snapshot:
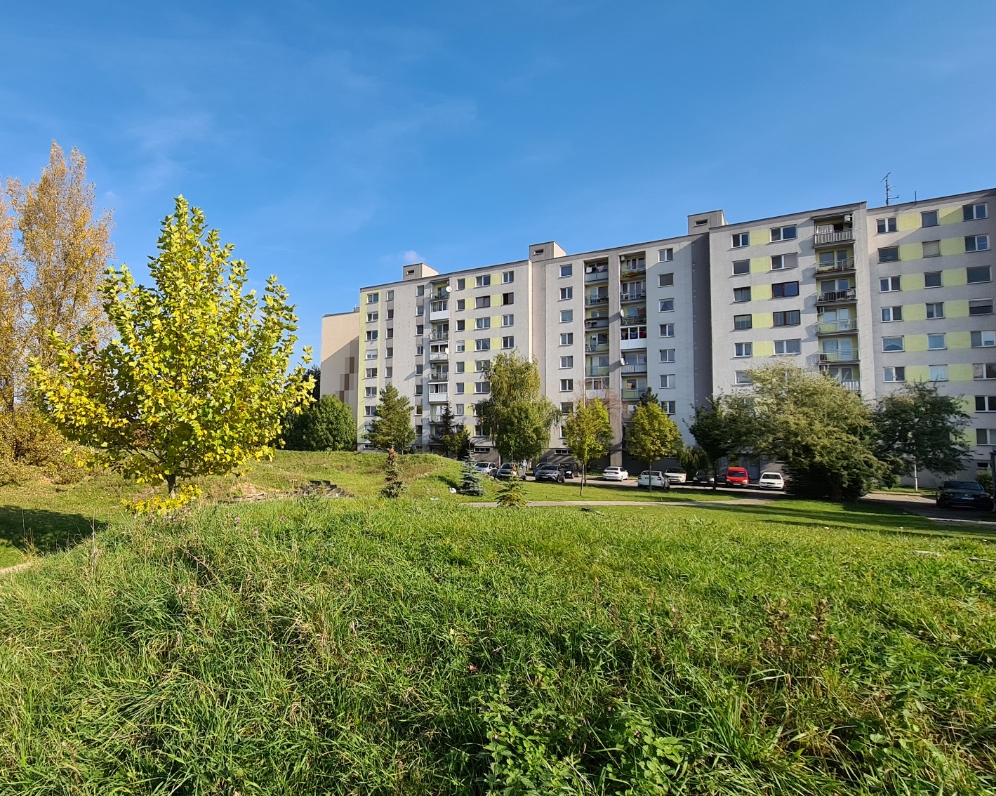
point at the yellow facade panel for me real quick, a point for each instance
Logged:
(758, 265)
(960, 373)
(762, 235)
(763, 320)
(760, 292)
(954, 277)
(764, 348)
(952, 215)
(956, 309)
(908, 221)
(911, 281)
(917, 372)
(959, 340)
(915, 342)
(950, 246)
(911, 251)
(915, 312)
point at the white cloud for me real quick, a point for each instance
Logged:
(410, 257)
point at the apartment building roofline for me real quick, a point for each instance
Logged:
(819, 212)
(436, 277)
(931, 200)
(598, 252)
(347, 312)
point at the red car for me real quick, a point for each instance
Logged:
(734, 476)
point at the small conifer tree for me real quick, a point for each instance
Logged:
(394, 485)
(512, 495)
(472, 482)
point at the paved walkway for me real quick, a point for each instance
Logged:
(681, 503)
(924, 506)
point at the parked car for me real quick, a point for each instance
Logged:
(507, 470)
(734, 476)
(487, 468)
(704, 478)
(771, 481)
(653, 479)
(615, 474)
(550, 471)
(676, 475)
(969, 494)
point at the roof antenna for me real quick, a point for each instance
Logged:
(889, 196)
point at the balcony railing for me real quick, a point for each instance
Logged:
(633, 295)
(832, 236)
(853, 386)
(841, 266)
(596, 323)
(596, 384)
(634, 320)
(633, 395)
(832, 327)
(439, 356)
(837, 295)
(592, 300)
(828, 357)
(598, 274)
(596, 371)
(628, 271)
(438, 337)
(600, 348)
(638, 368)
(441, 375)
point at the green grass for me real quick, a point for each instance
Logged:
(348, 646)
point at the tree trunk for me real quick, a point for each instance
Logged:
(583, 468)
(170, 483)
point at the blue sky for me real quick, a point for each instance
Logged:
(333, 142)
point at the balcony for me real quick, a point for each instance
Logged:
(595, 299)
(599, 348)
(439, 376)
(439, 310)
(633, 295)
(634, 318)
(837, 296)
(596, 273)
(831, 237)
(631, 271)
(439, 397)
(636, 368)
(633, 395)
(439, 337)
(596, 323)
(831, 357)
(853, 386)
(837, 327)
(596, 371)
(439, 356)
(839, 267)
(596, 384)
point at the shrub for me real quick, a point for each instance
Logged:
(30, 446)
(471, 482)
(512, 495)
(985, 477)
(395, 485)
(326, 425)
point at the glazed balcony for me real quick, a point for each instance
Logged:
(632, 295)
(595, 299)
(596, 273)
(632, 271)
(439, 356)
(838, 296)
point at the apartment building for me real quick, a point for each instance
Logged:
(873, 297)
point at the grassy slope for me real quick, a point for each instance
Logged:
(358, 647)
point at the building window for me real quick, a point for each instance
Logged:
(461, 284)
(420, 309)
(482, 323)
(976, 243)
(418, 350)
(935, 310)
(566, 362)
(372, 354)
(890, 254)
(460, 366)
(566, 293)
(741, 267)
(985, 403)
(507, 320)
(889, 285)
(418, 389)
(983, 339)
(461, 325)
(932, 279)
(371, 373)
(372, 316)
(567, 338)
(566, 270)
(508, 342)
(978, 273)
(984, 370)
(482, 344)
(371, 335)
(458, 409)
(566, 407)
(371, 392)
(985, 436)
(894, 374)
(742, 322)
(419, 329)
(461, 305)
(665, 255)
(389, 353)
(390, 295)
(482, 387)
(667, 330)
(973, 212)
(633, 333)
(938, 373)
(665, 280)
(785, 347)
(669, 407)
(460, 346)
(667, 355)
(482, 302)
(890, 314)
(507, 298)
(390, 315)
(667, 381)
(482, 281)
(935, 342)
(886, 225)
(741, 239)
(892, 344)
(980, 307)
(390, 333)
(928, 218)
(931, 248)
(784, 289)
(420, 290)
(567, 385)
(481, 365)
(369, 411)
(743, 377)
(783, 233)
(373, 298)
(741, 294)
(779, 262)
(508, 277)
(566, 316)
(388, 372)
(667, 305)
(743, 350)
(787, 318)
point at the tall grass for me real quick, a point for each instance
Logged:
(413, 647)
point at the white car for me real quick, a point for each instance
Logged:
(771, 481)
(614, 474)
(676, 475)
(486, 468)
(654, 479)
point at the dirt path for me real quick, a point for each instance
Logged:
(16, 568)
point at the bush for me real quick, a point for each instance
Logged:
(30, 446)
(471, 480)
(512, 494)
(326, 425)
(985, 477)
(394, 482)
